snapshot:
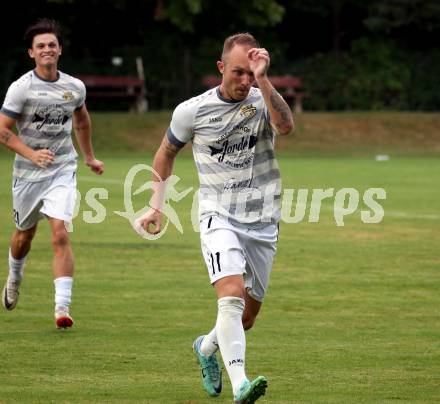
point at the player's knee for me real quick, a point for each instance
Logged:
(60, 238)
(233, 290)
(24, 238)
(230, 286)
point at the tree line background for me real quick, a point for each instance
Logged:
(351, 54)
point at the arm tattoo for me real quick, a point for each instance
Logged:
(280, 106)
(169, 148)
(5, 135)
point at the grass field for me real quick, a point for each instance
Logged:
(352, 313)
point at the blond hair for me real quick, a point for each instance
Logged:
(242, 38)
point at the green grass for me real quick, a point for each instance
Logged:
(351, 133)
(352, 313)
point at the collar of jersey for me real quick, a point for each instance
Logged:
(224, 99)
(47, 81)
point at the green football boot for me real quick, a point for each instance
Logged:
(249, 392)
(211, 372)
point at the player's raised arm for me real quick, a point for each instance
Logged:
(280, 113)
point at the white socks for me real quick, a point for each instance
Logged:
(63, 291)
(209, 344)
(16, 268)
(63, 285)
(231, 338)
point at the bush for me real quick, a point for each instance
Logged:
(424, 90)
(373, 75)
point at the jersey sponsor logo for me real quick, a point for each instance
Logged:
(236, 155)
(236, 129)
(42, 94)
(52, 118)
(248, 111)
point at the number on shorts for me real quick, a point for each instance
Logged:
(219, 269)
(16, 217)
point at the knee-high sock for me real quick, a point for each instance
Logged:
(231, 338)
(209, 344)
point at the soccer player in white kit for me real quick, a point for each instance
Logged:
(44, 104)
(232, 130)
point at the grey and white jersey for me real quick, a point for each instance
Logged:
(43, 113)
(233, 147)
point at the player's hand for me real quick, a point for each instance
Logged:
(259, 61)
(43, 158)
(151, 221)
(97, 166)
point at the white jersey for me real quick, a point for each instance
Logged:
(43, 113)
(233, 147)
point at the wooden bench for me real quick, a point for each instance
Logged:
(290, 87)
(129, 88)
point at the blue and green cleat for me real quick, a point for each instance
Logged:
(249, 392)
(211, 372)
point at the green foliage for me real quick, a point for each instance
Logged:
(255, 13)
(371, 75)
(182, 13)
(424, 88)
(352, 54)
(263, 14)
(380, 78)
(388, 15)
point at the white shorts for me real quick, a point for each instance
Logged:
(232, 250)
(54, 197)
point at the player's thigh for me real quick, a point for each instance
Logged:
(260, 249)
(59, 200)
(221, 249)
(27, 200)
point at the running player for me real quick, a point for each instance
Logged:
(232, 129)
(44, 104)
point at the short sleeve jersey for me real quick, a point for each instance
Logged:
(43, 113)
(233, 148)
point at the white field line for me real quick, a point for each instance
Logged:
(388, 213)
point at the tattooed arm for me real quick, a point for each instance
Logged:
(163, 166)
(9, 139)
(164, 159)
(6, 133)
(280, 113)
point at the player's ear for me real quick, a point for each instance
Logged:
(31, 53)
(221, 66)
(61, 48)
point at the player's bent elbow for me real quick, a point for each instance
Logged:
(286, 128)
